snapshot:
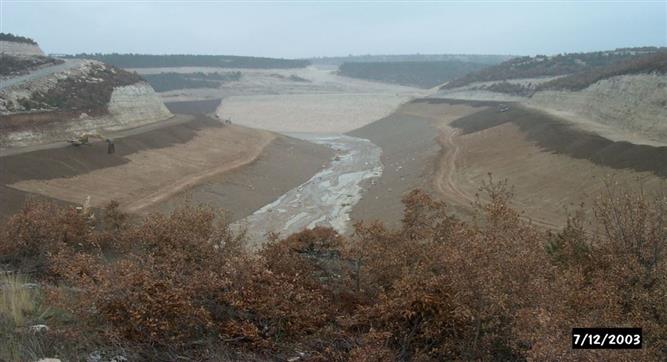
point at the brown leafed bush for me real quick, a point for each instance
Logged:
(437, 288)
(40, 229)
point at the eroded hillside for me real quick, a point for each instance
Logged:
(621, 96)
(58, 102)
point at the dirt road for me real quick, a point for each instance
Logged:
(324, 200)
(446, 183)
(444, 177)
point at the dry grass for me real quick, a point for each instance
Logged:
(20, 308)
(17, 302)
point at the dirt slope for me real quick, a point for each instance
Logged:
(285, 163)
(147, 168)
(450, 147)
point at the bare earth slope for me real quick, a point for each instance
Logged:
(550, 164)
(628, 107)
(410, 153)
(147, 168)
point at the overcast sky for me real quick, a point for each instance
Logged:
(304, 29)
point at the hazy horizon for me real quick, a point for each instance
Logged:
(296, 29)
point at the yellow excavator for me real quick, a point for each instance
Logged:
(84, 139)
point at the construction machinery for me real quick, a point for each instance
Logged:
(85, 139)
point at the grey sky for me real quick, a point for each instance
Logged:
(304, 29)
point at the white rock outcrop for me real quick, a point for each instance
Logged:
(18, 48)
(135, 105)
(130, 106)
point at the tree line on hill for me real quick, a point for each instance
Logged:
(419, 74)
(489, 59)
(16, 38)
(646, 64)
(163, 82)
(545, 66)
(191, 60)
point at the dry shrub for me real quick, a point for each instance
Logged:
(454, 292)
(435, 289)
(39, 229)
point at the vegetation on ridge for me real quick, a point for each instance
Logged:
(16, 38)
(13, 65)
(88, 93)
(191, 60)
(163, 82)
(549, 66)
(424, 74)
(652, 63)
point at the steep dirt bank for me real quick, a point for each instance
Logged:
(285, 163)
(552, 165)
(146, 168)
(556, 135)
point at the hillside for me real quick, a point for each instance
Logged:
(622, 100)
(423, 74)
(11, 65)
(652, 63)
(490, 59)
(190, 60)
(167, 81)
(59, 102)
(549, 66)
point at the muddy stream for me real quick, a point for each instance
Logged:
(327, 198)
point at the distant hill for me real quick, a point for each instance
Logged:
(418, 74)
(549, 66)
(163, 82)
(186, 60)
(474, 58)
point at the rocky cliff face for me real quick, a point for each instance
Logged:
(19, 49)
(135, 105)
